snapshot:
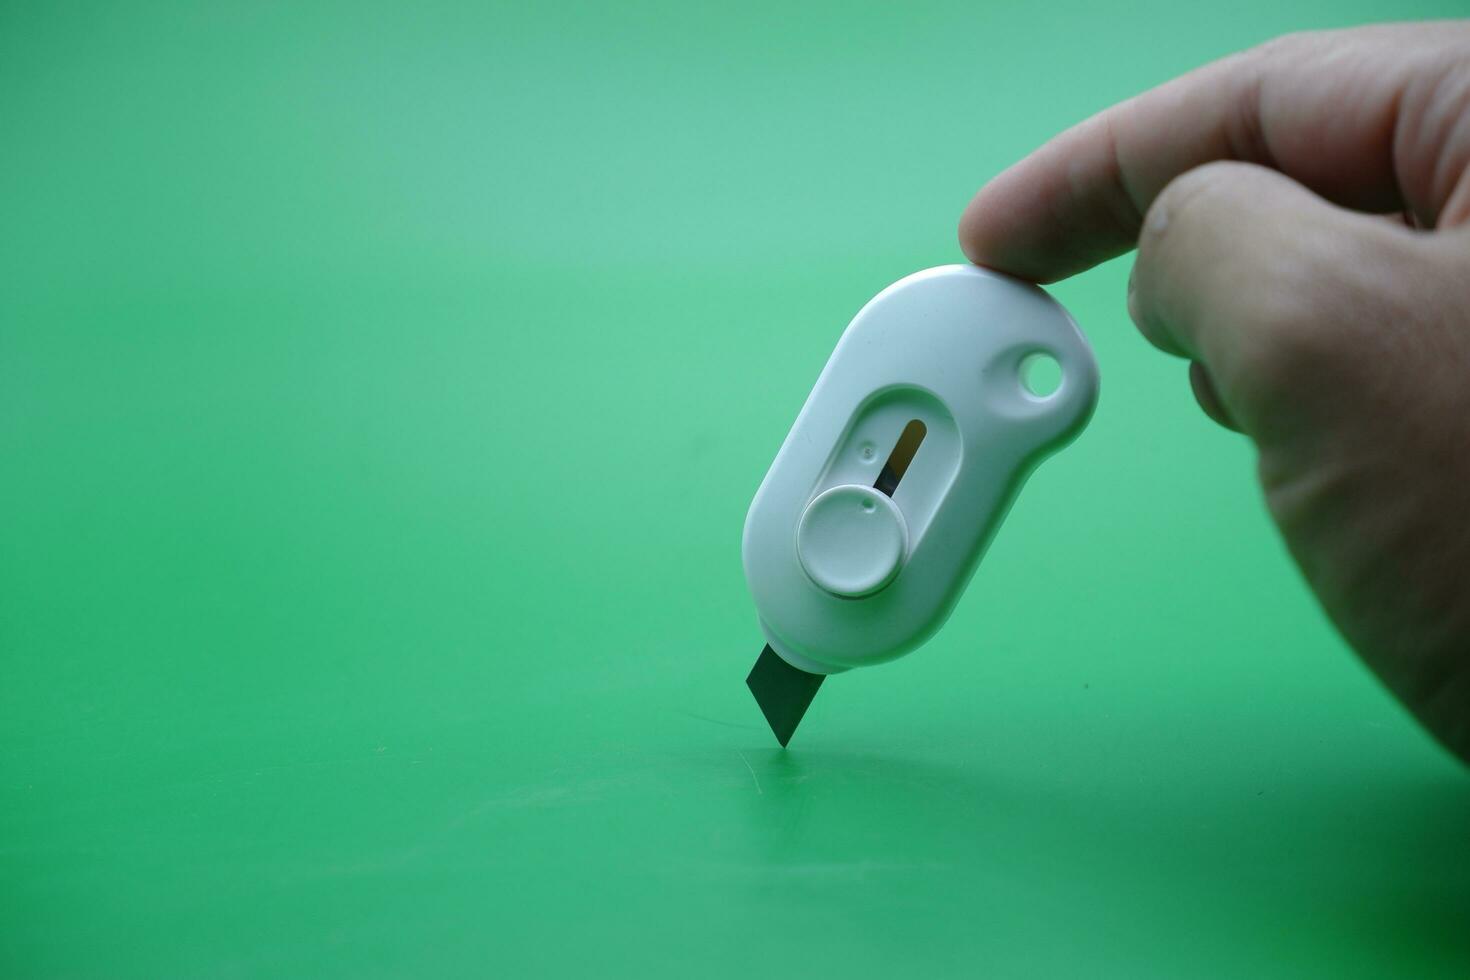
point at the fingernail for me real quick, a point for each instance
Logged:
(1158, 218)
(1133, 297)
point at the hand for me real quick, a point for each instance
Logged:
(1302, 218)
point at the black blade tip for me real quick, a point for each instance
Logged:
(783, 692)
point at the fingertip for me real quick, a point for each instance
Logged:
(971, 232)
(987, 230)
(993, 235)
(1026, 222)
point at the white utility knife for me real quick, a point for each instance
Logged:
(909, 451)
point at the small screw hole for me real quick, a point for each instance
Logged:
(1041, 375)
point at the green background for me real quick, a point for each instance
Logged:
(382, 388)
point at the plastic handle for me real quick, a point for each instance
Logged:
(946, 348)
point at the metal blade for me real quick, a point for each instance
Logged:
(784, 692)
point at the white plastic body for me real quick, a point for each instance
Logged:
(945, 346)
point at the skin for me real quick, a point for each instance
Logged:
(1302, 217)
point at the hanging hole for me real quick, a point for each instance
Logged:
(902, 455)
(1041, 375)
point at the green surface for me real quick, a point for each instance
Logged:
(381, 393)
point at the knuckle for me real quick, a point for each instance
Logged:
(1286, 45)
(1185, 202)
(1186, 191)
(1251, 59)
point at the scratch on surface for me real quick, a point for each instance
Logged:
(752, 772)
(819, 871)
(716, 721)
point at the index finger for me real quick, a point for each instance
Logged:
(1338, 111)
